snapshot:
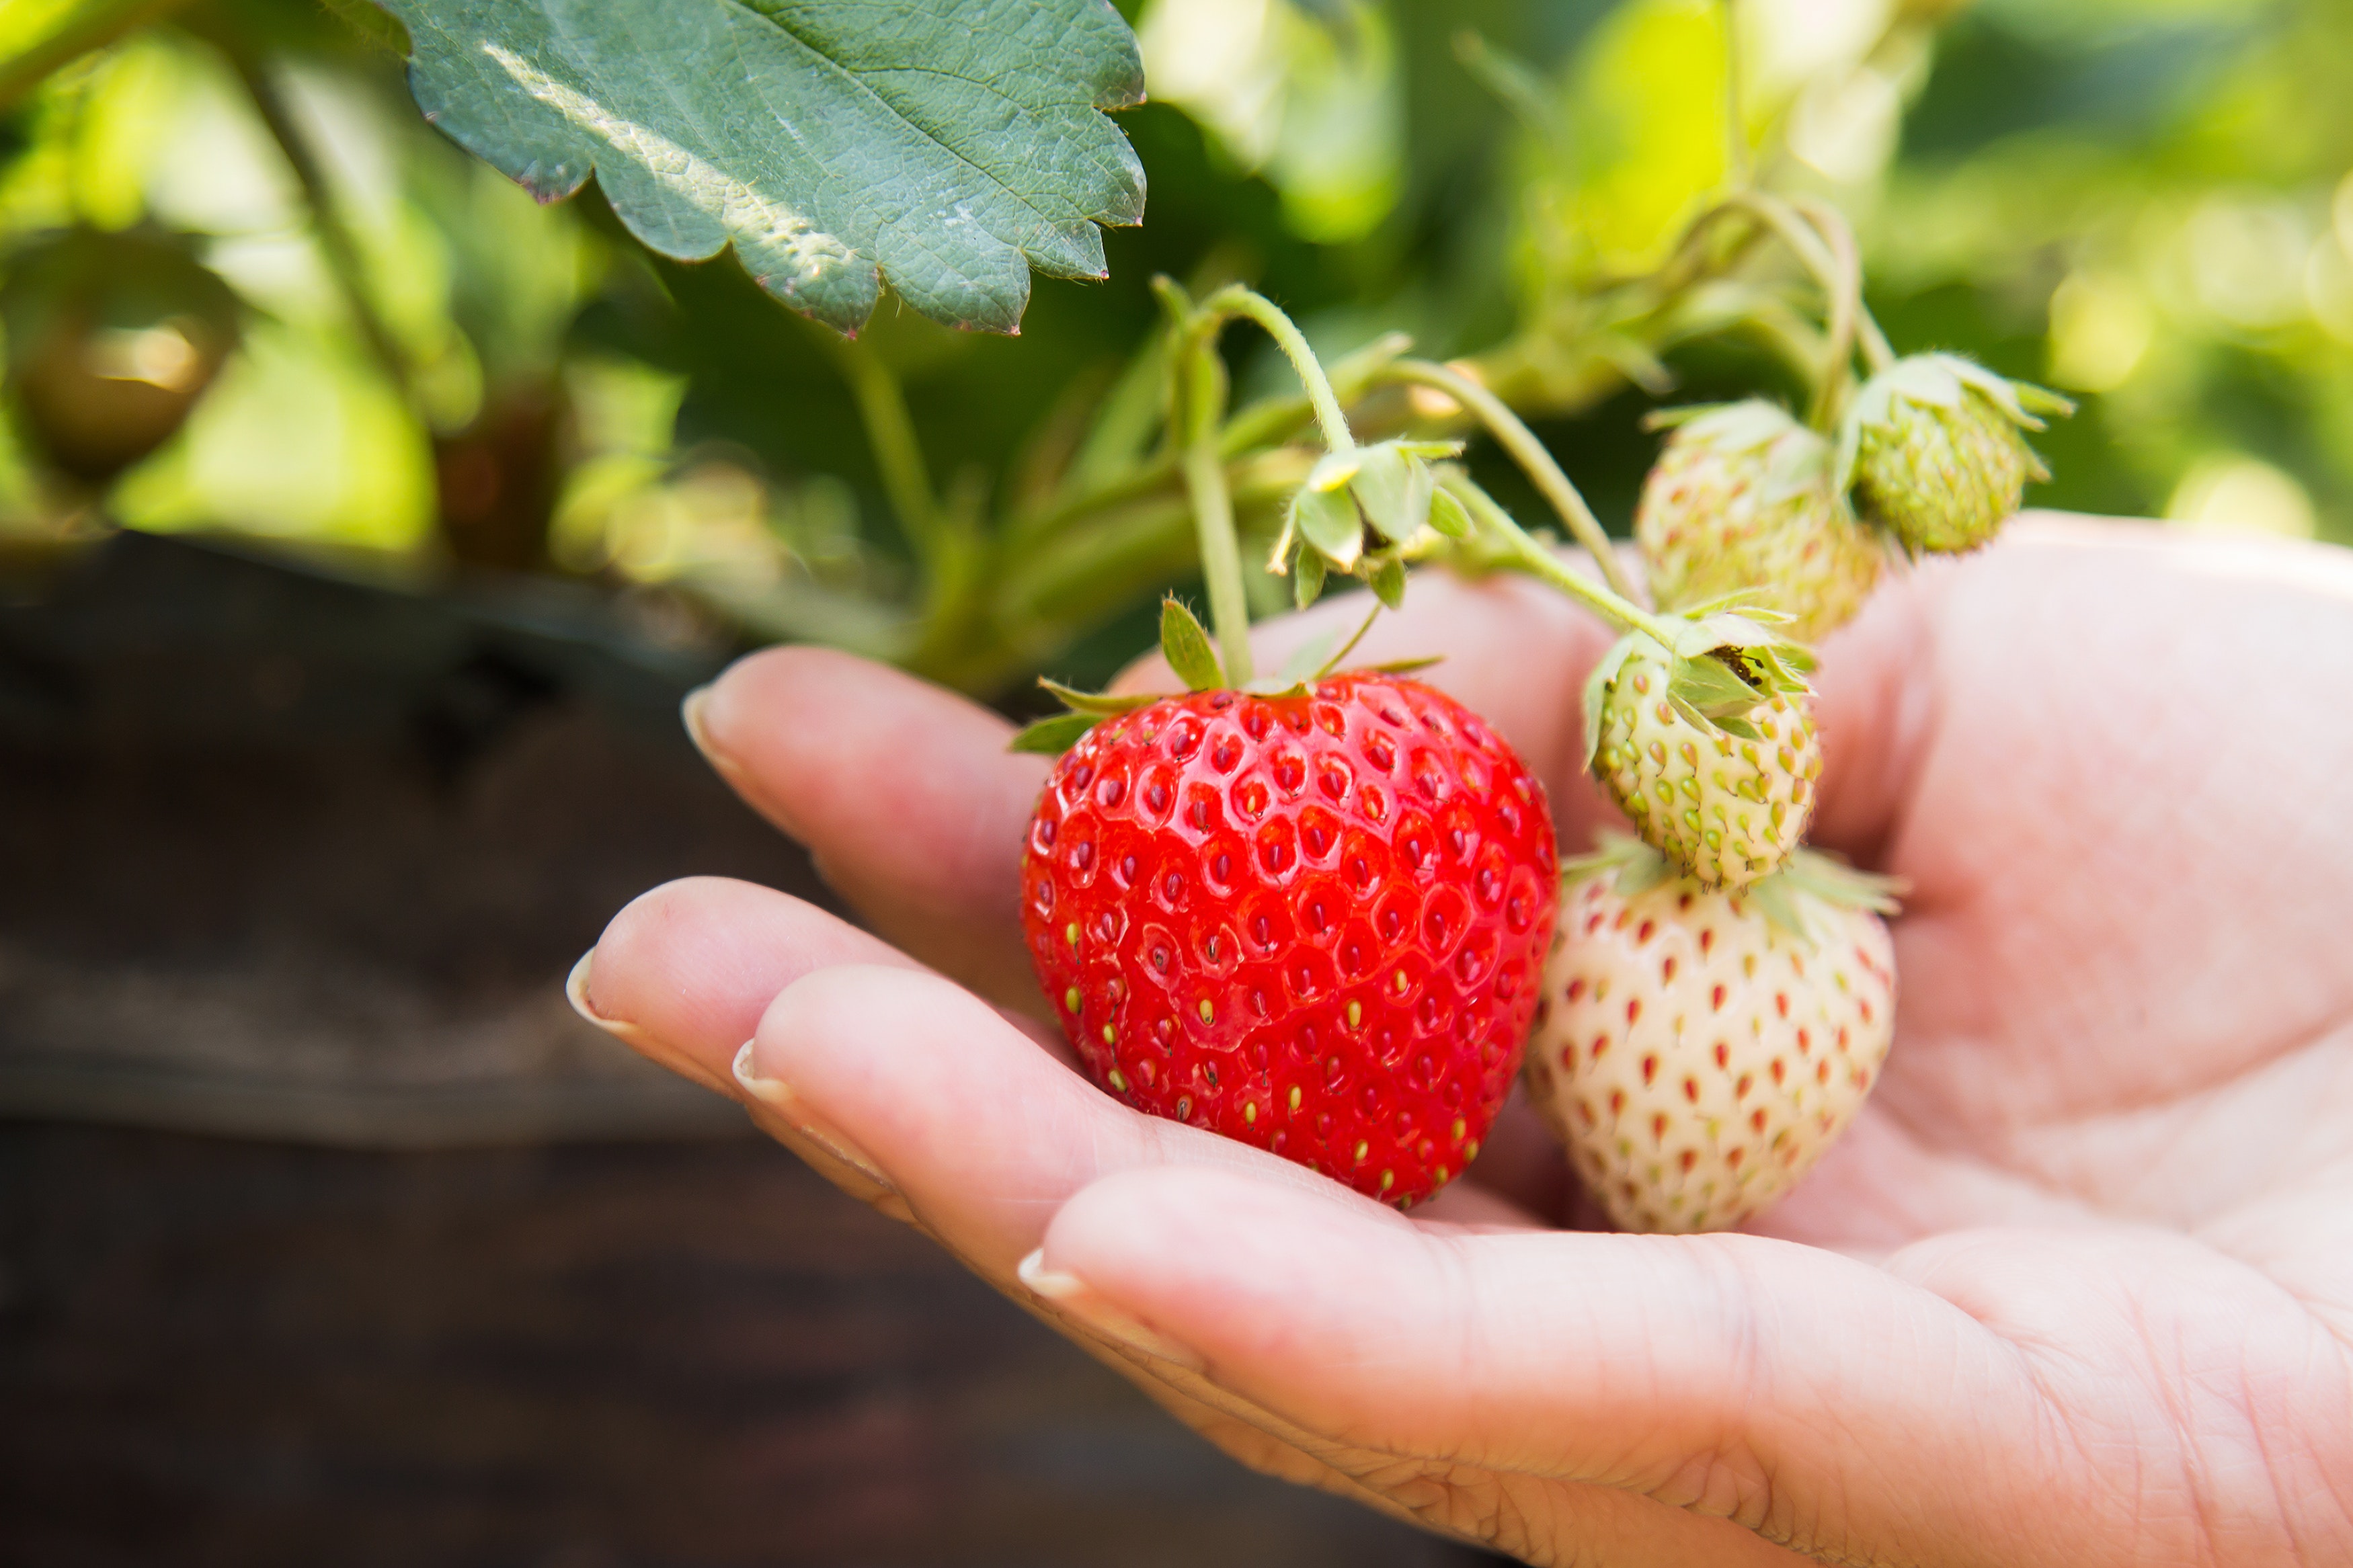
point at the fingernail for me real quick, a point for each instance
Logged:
(774, 1098)
(696, 713)
(1074, 1297)
(575, 991)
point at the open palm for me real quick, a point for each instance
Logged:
(2076, 1289)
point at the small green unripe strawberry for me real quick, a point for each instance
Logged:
(1935, 453)
(1696, 1052)
(1741, 500)
(1709, 749)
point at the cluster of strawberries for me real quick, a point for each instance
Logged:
(1321, 912)
(1719, 1000)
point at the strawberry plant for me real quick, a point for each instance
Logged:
(1317, 910)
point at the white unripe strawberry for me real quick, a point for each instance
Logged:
(1696, 1051)
(1741, 502)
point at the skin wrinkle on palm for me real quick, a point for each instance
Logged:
(2151, 1282)
(950, 154)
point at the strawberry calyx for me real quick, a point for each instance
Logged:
(1185, 643)
(1794, 898)
(1719, 668)
(1362, 513)
(1796, 460)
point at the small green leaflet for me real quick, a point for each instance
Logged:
(1596, 685)
(1186, 645)
(1327, 519)
(1710, 685)
(1102, 704)
(1307, 584)
(1054, 735)
(1447, 515)
(948, 147)
(1389, 486)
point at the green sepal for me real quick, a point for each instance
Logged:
(1792, 896)
(1639, 867)
(1101, 703)
(1388, 582)
(1055, 734)
(1327, 520)
(1393, 486)
(1710, 685)
(1185, 642)
(1774, 664)
(1447, 514)
(1405, 666)
(1332, 471)
(1940, 380)
(1808, 878)
(1596, 685)
(1384, 490)
(1307, 579)
(1822, 875)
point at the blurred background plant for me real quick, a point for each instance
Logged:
(248, 292)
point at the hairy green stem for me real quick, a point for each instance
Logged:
(1524, 553)
(1236, 300)
(1537, 463)
(1840, 286)
(1199, 399)
(1269, 422)
(1838, 235)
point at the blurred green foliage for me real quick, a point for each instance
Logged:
(2147, 202)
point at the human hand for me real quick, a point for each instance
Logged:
(2076, 1288)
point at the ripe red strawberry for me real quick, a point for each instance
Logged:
(1314, 921)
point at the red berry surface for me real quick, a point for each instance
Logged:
(1315, 923)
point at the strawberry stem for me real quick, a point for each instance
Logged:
(1236, 300)
(1196, 413)
(1823, 244)
(1521, 442)
(1838, 235)
(1527, 554)
(1199, 385)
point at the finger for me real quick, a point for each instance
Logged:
(684, 972)
(904, 792)
(981, 1137)
(984, 1134)
(1807, 1398)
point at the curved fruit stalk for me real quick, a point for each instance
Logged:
(1312, 921)
(1697, 1051)
(1741, 504)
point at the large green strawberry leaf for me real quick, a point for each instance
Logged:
(947, 145)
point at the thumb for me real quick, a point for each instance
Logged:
(1610, 1397)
